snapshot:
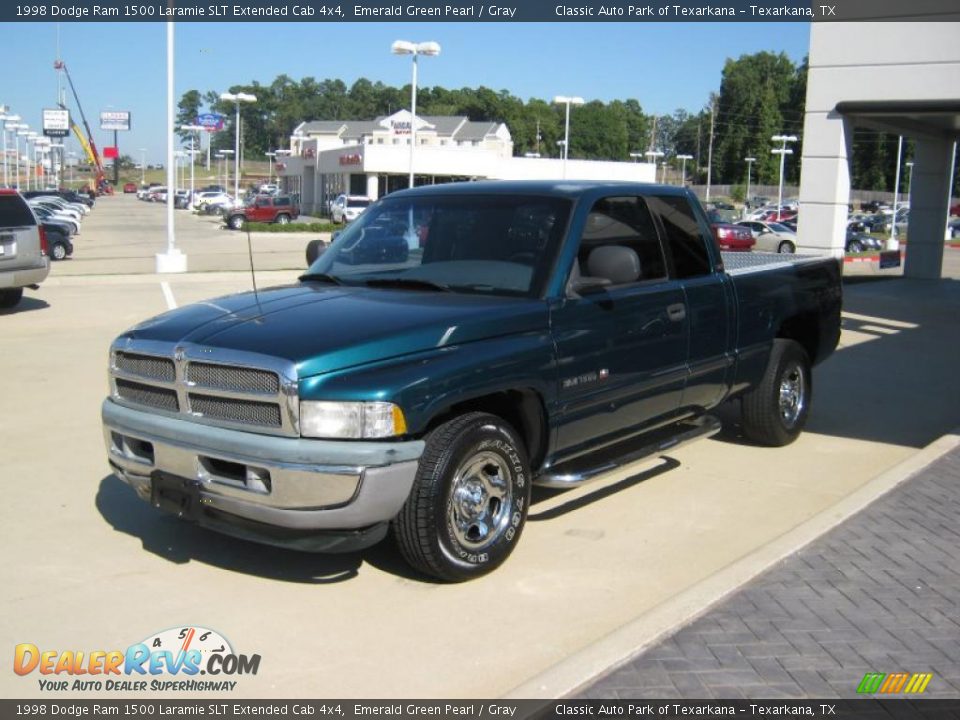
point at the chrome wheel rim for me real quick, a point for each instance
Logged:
(480, 500)
(793, 395)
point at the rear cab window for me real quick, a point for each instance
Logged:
(685, 238)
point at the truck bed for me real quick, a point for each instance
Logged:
(741, 263)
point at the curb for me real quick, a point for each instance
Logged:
(569, 675)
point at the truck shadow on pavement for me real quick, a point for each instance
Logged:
(182, 542)
(27, 304)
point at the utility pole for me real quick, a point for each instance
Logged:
(653, 134)
(710, 147)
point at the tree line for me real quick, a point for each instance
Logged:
(760, 95)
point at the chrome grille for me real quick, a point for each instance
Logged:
(149, 395)
(247, 412)
(234, 379)
(147, 366)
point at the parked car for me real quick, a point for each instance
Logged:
(210, 197)
(48, 211)
(129, 188)
(59, 246)
(264, 209)
(268, 189)
(858, 242)
(23, 248)
(771, 236)
(757, 201)
(545, 333)
(729, 236)
(347, 208)
(67, 225)
(181, 200)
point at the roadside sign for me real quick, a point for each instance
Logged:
(56, 123)
(889, 259)
(212, 122)
(110, 152)
(115, 120)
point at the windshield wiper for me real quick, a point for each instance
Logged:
(412, 283)
(322, 277)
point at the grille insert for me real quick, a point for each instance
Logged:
(148, 395)
(247, 412)
(234, 379)
(146, 366)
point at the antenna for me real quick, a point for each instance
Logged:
(253, 275)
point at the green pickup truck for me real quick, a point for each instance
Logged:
(455, 345)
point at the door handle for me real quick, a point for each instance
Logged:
(676, 312)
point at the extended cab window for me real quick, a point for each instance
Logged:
(687, 244)
(624, 222)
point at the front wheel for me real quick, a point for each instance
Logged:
(283, 219)
(469, 501)
(776, 410)
(786, 247)
(58, 251)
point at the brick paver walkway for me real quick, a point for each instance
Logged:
(879, 593)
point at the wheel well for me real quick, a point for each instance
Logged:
(804, 329)
(523, 409)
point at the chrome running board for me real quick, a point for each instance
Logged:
(582, 470)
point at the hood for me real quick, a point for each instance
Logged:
(322, 328)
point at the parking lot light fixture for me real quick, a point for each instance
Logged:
(652, 157)
(782, 151)
(636, 156)
(237, 98)
(567, 101)
(405, 47)
(683, 168)
(270, 156)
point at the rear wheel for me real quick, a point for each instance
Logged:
(776, 410)
(314, 249)
(855, 247)
(236, 222)
(786, 247)
(283, 219)
(58, 251)
(10, 298)
(468, 504)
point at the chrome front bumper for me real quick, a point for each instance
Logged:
(292, 483)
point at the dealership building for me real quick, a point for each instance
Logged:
(372, 158)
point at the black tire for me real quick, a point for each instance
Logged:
(283, 219)
(440, 529)
(786, 247)
(776, 410)
(58, 251)
(855, 247)
(235, 222)
(315, 248)
(10, 298)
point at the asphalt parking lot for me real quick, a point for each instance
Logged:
(89, 566)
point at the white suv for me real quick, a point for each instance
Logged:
(23, 248)
(347, 208)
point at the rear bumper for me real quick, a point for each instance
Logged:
(311, 494)
(25, 276)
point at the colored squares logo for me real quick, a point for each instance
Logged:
(892, 683)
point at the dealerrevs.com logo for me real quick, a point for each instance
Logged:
(171, 660)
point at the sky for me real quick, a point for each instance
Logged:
(122, 66)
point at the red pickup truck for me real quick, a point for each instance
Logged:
(265, 209)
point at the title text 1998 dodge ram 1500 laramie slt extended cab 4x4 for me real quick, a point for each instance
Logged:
(497, 335)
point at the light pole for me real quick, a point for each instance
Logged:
(567, 101)
(683, 168)
(405, 47)
(782, 151)
(270, 156)
(143, 166)
(746, 200)
(11, 123)
(893, 243)
(31, 159)
(23, 132)
(652, 157)
(225, 154)
(237, 98)
(909, 166)
(194, 141)
(663, 169)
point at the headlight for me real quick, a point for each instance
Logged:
(351, 420)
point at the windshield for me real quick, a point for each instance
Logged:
(496, 244)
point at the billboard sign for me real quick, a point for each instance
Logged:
(115, 120)
(212, 122)
(56, 123)
(110, 152)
